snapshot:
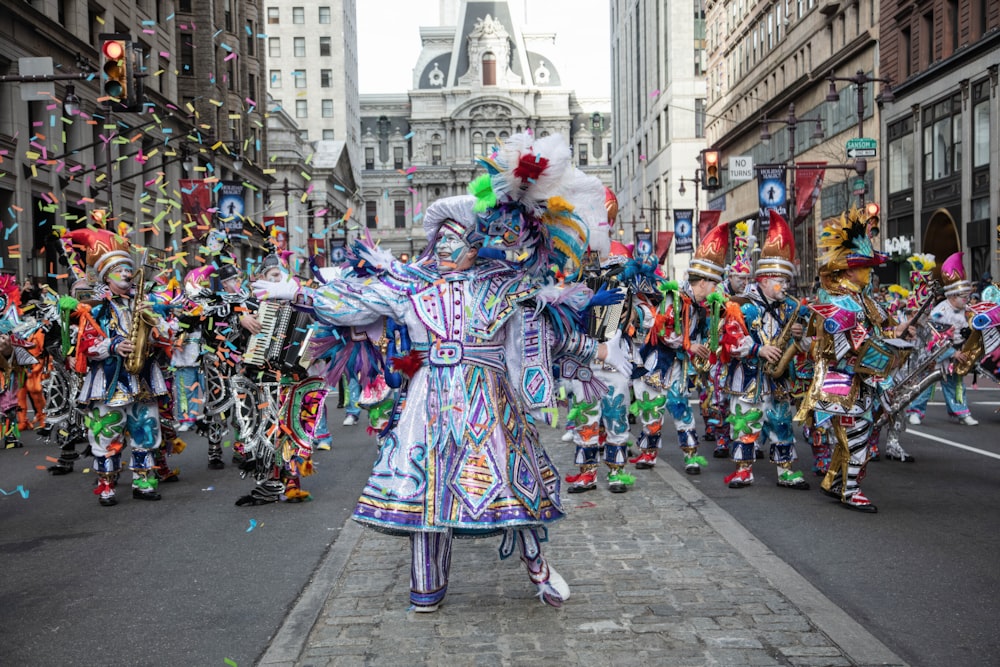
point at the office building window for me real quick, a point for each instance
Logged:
(369, 158)
(325, 78)
(324, 15)
(273, 15)
(186, 40)
(275, 75)
(298, 15)
(327, 135)
(942, 125)
(435, 153)
(301, 109)
(273, 47)
(397, 157)
(399, 214)
(327, 108)
(300, 78)
(371, 214)
(299, 46)
(324, 46)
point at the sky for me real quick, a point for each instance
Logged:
(388, 49)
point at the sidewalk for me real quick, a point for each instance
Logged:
(659, 576)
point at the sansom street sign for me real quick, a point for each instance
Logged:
(861, 147)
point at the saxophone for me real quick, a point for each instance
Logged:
(141, 325)
(785, 342)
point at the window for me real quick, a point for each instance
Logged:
(397, 157)
(251, 39)
(581, 155)
(435, 153)
(980, 125)
(942, 125)
(324, 15)
(699, 118)
(901, 156)
(299, 46)
(273, 47)
(300, 78)
(298, 15)
(905, 46)
(186, 40)
(489, 69)
(327, 108)
(301, 109)
(327, 135)
(275, 76)
(369, 158)
(399, 214)
(325, 78)
(477, 145)
(273, 15)
(371, 214)
(324, 46)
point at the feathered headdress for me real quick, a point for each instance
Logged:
(533, 205)
(953, 275)
(844, 244)
(743, 243)
(922, 267)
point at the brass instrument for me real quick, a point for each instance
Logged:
(142, 323)
(785, 342)
(906, 390)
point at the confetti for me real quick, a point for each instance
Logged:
(253, 524)
(20, 489)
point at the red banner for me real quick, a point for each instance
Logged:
(707, 221)
(196, 202)
(317, 251)
(663, 241)
(808, 184)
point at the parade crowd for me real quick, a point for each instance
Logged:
(520, 314)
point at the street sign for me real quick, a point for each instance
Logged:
(861, 147)
(741, 168)
(859, 187)
(35, 91)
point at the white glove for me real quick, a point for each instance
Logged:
(283, 290)
(616, 356)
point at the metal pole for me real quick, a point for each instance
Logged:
(861, 78)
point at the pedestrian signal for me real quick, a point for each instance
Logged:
(710, 173)
(871, 218)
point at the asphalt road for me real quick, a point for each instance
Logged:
(189, 580)
(922, 573)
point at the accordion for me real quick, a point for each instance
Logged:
(604, 321)
(283, 340)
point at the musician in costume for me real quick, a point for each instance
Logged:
(31, 388)
(281, 404)
(715, 401)
(120, 391)
(15, 359)
(600, 422)
(464, 457)
(952, 317)
(760, 332)
(850, 355)
(674, 351)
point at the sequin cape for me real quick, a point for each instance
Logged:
(465, 454)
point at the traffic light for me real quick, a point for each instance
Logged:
(710, 178)
(871, 218)
(120, 82)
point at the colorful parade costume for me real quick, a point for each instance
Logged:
(464, 458)
(120, 391)
(761, 323)
(852, 352)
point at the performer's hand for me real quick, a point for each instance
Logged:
(700, 350)
(124, 348)
(612, 354)
(770, 353)
(284, 290)
(797, 330)
(960, 357)
(250, 323)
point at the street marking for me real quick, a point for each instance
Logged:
(953, 444)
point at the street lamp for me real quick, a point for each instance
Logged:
(71, 103)
(237, 157)
(859, 80)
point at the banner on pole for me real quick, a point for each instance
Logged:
(274, 226)
(772, 194)
(808, 184)
(196, 202)
(707, 221)
(683, 229)
(232, 206)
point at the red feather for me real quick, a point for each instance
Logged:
(409, 364)
(530, 167)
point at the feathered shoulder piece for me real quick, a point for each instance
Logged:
(10, 291)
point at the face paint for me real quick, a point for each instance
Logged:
(119, 280)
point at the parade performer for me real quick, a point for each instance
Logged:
(123, 382)
(278, 441)
(14, 359)
(715, 401)
(952, 316)
(674, 351)
(602, 421)
(760, 332)
(464, 458)
(32, 385)
(850, 353)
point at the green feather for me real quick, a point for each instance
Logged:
(482, 189)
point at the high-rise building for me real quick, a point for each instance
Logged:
(658, 105)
